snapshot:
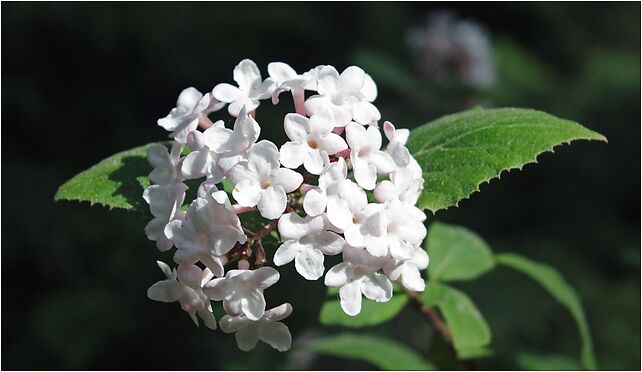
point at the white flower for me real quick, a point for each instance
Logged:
(333, 194)
(403, 228)
(242, 291)
(164, 163)
(249, 91)
(305, 242)
(183, 118)
(405, 185)
(408, 270)
(345, 97)
(366, 157)
(268, 329)
(286, 79)
(259, 181)
(310, 138)
(185, 285)
(358, 275)
(367, 228)
(397, 144)
(218, 149)
(210, 229)
(165, 205)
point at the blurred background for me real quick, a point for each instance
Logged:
(84, 81)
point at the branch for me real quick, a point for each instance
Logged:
(429, 313)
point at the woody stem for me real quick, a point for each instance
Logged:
(430, 314)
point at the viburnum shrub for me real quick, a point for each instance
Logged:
(344, 184)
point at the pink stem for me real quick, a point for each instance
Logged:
(239, 210)
(204, 121)
(298, 95)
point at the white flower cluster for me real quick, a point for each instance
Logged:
(313, 190)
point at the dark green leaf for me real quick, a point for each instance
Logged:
(116, 182)
(556, 285)
(467, 326)
(459, 152)
(456, 253)
(383, 353)
(372, 313)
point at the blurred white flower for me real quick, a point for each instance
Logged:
(185, 285)
(268, 329)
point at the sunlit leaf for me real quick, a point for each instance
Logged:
(456, 253)
(116, 182)
(459, 152)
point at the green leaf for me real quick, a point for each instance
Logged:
(456, 253)
(550, 362)
(459, 152)
(383, 353)
(116, 182)
(556, 285)
(474, 353)
(372, 313)
(467, 326)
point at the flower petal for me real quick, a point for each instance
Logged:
(364, 173)
(309, 263)
(278, 313)
(190, 275)
(292, 227)
(350, 298)
(314, 161)
(292, 154)
(337, 275)
(314, 202)
(247, 193)
(288, 179)
(281, 71)
(164, 291)
(195, 164)
(208, 318)
(272, 203)
(286, 252)
(332, 143)
(377, 287)
(247, 338)
(275, 334)
(351, 79)
(231, 324)
(264, 277)
(226, 92)
(253, 304)
(338, 213)
(382, 161)
(328, 243)
(297, 127)
(216, 289)
(411, 279)
(365, 113)
(246, 74)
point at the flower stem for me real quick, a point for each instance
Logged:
(430, 314)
